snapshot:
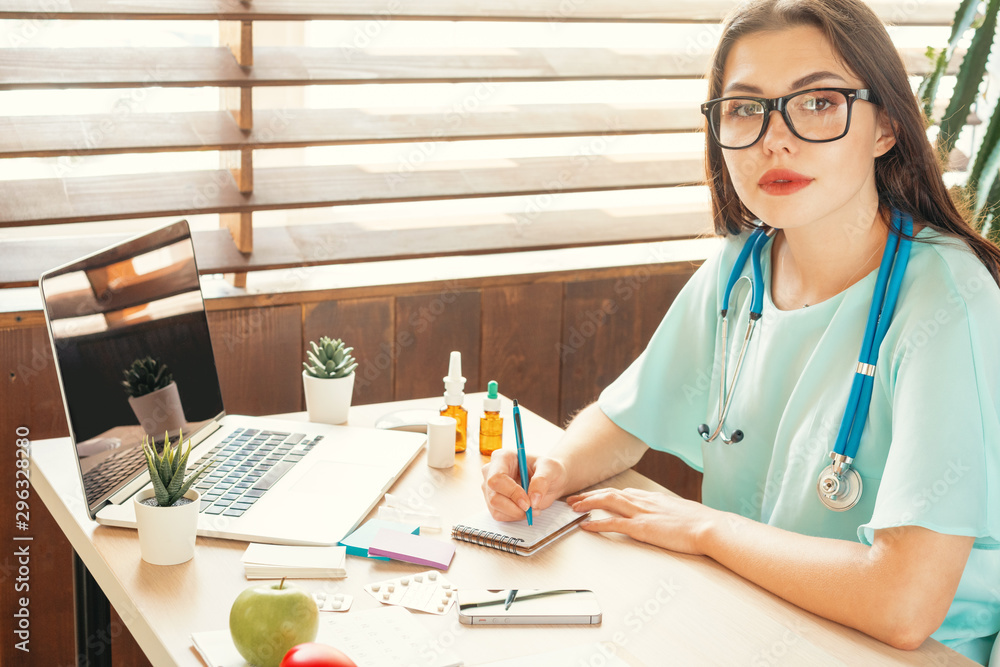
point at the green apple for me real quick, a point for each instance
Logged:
(266, 621)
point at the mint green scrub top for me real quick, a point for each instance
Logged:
(930, 452)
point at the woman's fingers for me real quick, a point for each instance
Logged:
(506, 500)
(614, 500)
(615, 524)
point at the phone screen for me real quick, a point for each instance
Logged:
(528, 607)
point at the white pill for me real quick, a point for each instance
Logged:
(447, 594)
(418, 578)
(375, 587)
(405, 581)
(385, 596)
(336, 604)
(432, 576)
(446, 585)
(440, 607)
(391, 587)
(338, 597)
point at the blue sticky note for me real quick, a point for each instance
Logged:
(357, 543)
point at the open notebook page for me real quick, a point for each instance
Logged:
(546, 522)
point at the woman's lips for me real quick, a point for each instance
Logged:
(782, 181)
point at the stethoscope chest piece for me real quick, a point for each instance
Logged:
(839, 492)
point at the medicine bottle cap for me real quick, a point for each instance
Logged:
(454, 383)
(492, 401)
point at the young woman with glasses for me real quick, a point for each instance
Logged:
(814, 135)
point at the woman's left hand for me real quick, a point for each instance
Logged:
(661, 519)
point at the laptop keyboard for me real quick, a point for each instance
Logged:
(246, 464)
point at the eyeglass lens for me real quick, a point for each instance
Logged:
(817, 116)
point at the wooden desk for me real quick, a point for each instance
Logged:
(659, 606)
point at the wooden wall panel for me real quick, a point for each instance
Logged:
(600, 338)
(367, 326)
(521, 343)
(655, 294)
(30, 386)
(31, 398)
(429, 327)
(259, 358)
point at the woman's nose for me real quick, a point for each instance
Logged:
(777, 133)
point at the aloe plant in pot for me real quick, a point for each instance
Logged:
(167, 513)
(152, 394)
(328, 380)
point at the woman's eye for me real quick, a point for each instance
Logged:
(745, 110)
(817, 104)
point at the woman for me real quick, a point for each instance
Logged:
(917, 554)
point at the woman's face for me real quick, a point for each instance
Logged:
(840, 174)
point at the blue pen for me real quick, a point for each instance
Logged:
(522, 459)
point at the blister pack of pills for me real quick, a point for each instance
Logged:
(425, 591)
(333, 601)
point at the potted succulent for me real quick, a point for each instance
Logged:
(153, 395)
(328, 380)
(167, 514)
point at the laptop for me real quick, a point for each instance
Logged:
(268, 480)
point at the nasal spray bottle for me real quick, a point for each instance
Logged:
(491, 423)
(454, 394)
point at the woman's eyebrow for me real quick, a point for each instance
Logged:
(804, 81)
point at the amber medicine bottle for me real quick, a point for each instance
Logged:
(491, 423)
(454, 395)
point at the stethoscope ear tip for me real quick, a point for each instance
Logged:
(703, 430)
(736, 436)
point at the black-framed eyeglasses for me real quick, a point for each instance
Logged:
(816, 115)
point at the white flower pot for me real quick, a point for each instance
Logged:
(167, 534)
(328, 399)
(159, 411)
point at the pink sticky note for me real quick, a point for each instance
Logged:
(412, 548)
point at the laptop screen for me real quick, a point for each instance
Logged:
(133, 353)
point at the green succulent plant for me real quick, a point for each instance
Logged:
(167, 469)
(145, 376)
(329, 359)
(983, 184)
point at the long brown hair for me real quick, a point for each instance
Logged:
(907, 177)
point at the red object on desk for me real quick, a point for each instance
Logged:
(314, 654)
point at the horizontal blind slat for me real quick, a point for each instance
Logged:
(899, 12)
(34, 68)
(308, 245)
(47, 136)
(61, 201)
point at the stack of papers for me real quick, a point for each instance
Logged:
(274, 561)
(357, 543)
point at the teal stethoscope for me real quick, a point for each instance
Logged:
(839, 485)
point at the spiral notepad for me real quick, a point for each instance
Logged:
(517, 537)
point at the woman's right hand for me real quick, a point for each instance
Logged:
(505, 498)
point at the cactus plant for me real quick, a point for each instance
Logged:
(329, 359)
(167, 469)
(983, 183)
(145, 376)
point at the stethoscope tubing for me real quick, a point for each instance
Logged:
(892, 268)
(900, 261)
(894, 260)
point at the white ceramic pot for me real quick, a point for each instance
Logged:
(328, 399)
(167, 534)
(159, 411)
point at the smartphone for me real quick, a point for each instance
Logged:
(529, 606)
